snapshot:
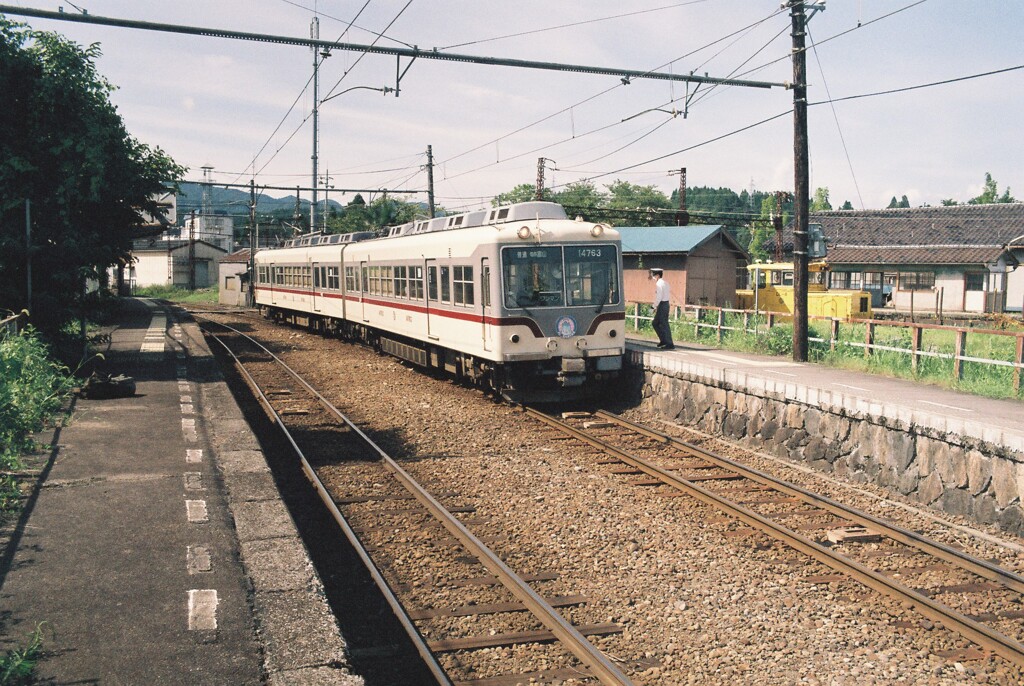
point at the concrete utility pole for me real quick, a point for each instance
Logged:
(314, 34)
(539, 194)
(192, 252)
(801, 181)
(252, 243)
(430, 181)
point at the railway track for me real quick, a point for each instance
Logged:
(979, 600)
(461, 622)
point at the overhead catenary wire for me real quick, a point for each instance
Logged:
(835, 116)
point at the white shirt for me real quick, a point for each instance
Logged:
(661, 291)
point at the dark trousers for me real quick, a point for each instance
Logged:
(661, 326)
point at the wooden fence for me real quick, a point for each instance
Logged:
(707, 317)
(11, 325)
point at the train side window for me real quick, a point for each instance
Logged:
(432, 283)
(350, 279)
(446, 292)
(485, 285)
(333, 281)
(416, 283)
(386, 274)
(316, 278)
(401, 284)
(463, 285)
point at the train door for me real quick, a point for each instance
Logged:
(364, 274)
(485, 304)
(318, 284)
(430, 269)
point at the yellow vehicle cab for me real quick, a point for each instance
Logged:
(774, 292)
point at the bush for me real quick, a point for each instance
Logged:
(32, 389)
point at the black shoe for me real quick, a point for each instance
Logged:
(660, 345)
(669, 347)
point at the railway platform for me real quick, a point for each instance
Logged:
(999, 422)
(155, 548)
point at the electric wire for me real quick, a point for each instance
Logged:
(292, 108)
(905, 89)
(838, 35)
(571, 25)
(835, 116)
(601, 93)
(351, 24)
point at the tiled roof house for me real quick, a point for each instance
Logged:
(963, 258)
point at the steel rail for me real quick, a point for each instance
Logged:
(980, 634)
(412, 53)
(599, 664)
(975, 565)
(392, 600)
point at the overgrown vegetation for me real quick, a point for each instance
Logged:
(178, 295)
(32, 390)
(988, 380)
(17, 666)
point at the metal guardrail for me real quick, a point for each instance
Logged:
(761, 320)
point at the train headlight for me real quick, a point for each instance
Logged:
(514, 338)
(613, 333)
(597, 230)
(524, 232)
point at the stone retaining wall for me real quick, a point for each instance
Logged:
(950, 472)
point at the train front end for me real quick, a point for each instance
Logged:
(562, 308)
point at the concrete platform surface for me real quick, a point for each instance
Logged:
(129, 552)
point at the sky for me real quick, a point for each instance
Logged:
(243, 108)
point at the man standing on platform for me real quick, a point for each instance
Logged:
(661, 298)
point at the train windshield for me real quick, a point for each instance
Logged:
(592, 275)
(550, 276)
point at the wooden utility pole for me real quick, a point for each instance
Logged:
(801, 185)
(430, 181)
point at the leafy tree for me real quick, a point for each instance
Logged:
(820, 201)
(64, 149)
(847, 205)
(582, 199)
(949, 202)
(628, 198)
(991, 193)
(893, 204)
(762, 231)
(524, 192)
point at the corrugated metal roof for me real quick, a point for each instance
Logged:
(665, 239)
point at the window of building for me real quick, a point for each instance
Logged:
(462, 285)
(917, 281)
(872, 281)
(975, 281)
(856, 281)
(840, 280)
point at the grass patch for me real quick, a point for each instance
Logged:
(178, 295)
(18, 666)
